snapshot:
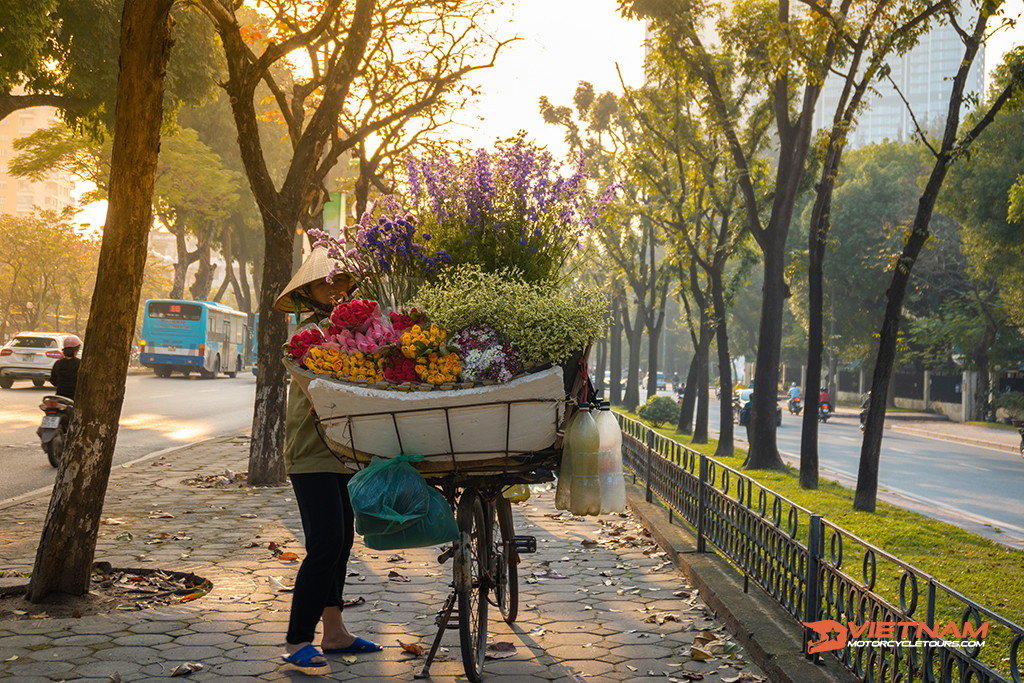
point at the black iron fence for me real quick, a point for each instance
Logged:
(820, 572)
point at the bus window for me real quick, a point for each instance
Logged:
(174, 311)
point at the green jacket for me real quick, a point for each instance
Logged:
(304, 450)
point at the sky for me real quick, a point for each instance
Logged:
(562, 43)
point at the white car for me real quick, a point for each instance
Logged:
(30, 355)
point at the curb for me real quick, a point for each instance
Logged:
(765, 630)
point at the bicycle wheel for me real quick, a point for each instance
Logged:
(471, 582)
(506, 560)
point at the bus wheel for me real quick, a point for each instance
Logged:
(238, 366)
(162, 372)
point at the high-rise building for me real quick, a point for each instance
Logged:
(20, 196)
(924, 77)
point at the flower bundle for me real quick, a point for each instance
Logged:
(485, 356)
(359, 344)
(354, 367)
(387, 250)
(303, 340)
(514, 207)
(354, 315)
(402, 320)
(543, 321)
(436, 361)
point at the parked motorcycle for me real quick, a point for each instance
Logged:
(824, 411)
(57, 411)
(795, 405)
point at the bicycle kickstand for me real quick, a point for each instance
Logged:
(442, 624)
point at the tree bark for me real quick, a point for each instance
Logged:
(615, 353)
(685, 424)
(68, 543)
(726, 447)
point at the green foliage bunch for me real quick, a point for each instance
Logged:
(658, 410)
(1013, 403)
(543, 320)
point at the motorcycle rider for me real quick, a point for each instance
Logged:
(824, 396)
(824, 403)
(794, 395)
(64, 374)
(864, 410)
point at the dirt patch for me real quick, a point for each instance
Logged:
(112, 590)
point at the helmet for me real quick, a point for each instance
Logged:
(793, 384)
(71, 341)
(824, 388)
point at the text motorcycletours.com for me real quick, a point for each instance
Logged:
(834, 635)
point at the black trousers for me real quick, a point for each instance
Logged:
(329, 529)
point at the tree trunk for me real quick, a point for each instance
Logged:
(615, 354)
(685, 424)
(68, 543)
(763, 451)
(815, 333)
(725, 448)
(266, 464)
(701, 354)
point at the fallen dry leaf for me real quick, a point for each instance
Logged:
(185, 668)
(700, 654)
(549, 574)
(277, 585)
(396, 558)
(193, 596)
(395, 576)
(288, 557)
(500, 650)
(412, 648)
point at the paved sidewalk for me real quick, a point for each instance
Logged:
(622, 612)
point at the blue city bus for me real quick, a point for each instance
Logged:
(193, 336)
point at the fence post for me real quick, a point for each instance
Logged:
(702, 503)
(647, 468)
(812, 581)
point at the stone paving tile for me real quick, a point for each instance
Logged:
(615, 616)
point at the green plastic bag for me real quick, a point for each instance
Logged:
(437, 527)
(389, 495)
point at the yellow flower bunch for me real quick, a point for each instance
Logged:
(325, 361)
(438, 369)
(417, 342)
(349, 366)
(363, 366)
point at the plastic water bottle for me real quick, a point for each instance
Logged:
(562, 492)
(585, 495)
(613, 481)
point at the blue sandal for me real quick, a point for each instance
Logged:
(302, 660)
(357, 646)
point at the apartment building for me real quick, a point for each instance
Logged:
(20, 196)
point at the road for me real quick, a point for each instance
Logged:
(977, 488)
(157, 414)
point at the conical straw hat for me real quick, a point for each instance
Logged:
(317, 266)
